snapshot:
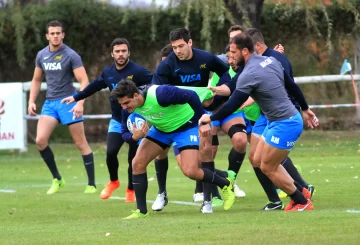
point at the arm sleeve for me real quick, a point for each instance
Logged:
(171, 95)
(236, 100)
(75, 61)
(161, 75)
(295, 91)
(125, 133)
(92, 88)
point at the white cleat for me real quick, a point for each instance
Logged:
(206, 208)
(198, 197)
(160, 202)
(238, 192)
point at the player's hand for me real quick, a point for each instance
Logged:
(213, 89)
(141, 132)
(205, 130)
(248, 102)
(204, 119)
(32, 109)
(77, 111)
(310, 118)
(68, 100)
(208, 102)
(279, 48)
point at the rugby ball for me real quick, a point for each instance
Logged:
(134, 118)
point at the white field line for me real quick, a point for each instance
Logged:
(7, 191)
(152, 201)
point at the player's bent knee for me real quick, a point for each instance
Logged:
(41, 142)
(138, 165)
(239, 141)
(189, 172)
(255, 161)
(237, 128)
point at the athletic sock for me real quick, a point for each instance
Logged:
(161, 167)
(90, 168)
(140, 183)
(235, 160)
(293, 172)
(267, 185)
(48, 156)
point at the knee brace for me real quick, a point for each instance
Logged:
(236, 128)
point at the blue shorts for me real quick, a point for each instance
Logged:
(59, 111)
(260, 125)
(283, 134)
(218, 123)
(188, 139)
(114, 127)
(176, 149)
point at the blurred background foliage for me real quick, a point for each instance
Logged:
(317, 34)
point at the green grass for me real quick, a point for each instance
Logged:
(329, 161)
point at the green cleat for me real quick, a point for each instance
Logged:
(137, 215)
(228, 194)
(90, 189)
(56, 184)
(217, 202)
(231, 175)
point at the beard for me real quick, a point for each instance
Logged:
(122, 63)
(241, 62)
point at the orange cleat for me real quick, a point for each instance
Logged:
(307, 195)
(301, 207)
(109, 188)
(130, 195)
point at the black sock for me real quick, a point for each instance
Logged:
(90, 168)
(267, 185)
(114, 143)
(131, 154)
(215, 191)
(235, 160)
(161, 167)
(140, 182)
(207, 187)
(299, 187)
(298, 197)
(49, 159)
(212, 177)
(222, 173)
(198, 187)
(293, 172)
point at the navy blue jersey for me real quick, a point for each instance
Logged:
(110, 78)
(286, 65)
(193, 72)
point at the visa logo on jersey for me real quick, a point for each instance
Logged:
(190, 78)
(52, 66)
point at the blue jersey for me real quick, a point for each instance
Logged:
(193, 72)
(110, 78)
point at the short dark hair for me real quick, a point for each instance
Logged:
(55, 23)
(180, 33)
(165, 51)
(125, 87)
(236, 28)
(256, 35)
(118, 41)
(243, 40)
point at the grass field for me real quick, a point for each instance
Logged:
(329, 160)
